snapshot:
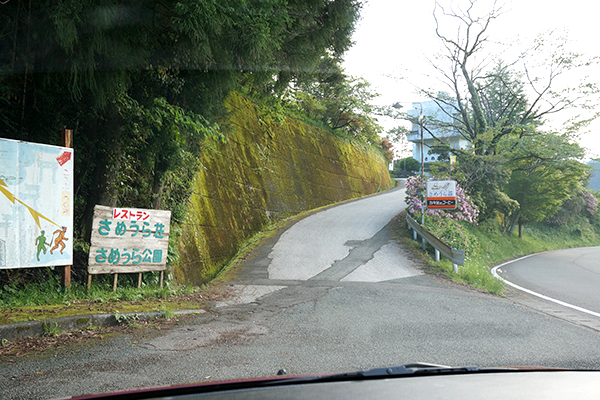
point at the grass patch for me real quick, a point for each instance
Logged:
(48, 299)
(490, 247)
(51, 329)
(49, 291)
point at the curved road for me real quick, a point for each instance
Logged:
(570, 276)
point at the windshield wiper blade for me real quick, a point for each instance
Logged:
(412, 369)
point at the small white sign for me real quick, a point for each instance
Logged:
(441, 194)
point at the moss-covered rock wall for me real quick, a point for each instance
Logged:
(266, 171)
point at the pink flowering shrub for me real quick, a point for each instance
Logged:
(591, 203)
(465, 209)
(582, 204)
(444, 223)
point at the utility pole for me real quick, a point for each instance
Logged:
(421, 117)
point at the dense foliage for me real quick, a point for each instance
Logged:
(515, 169)
(143, 84)
(406, 167)
(338, 101)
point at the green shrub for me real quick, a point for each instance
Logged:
(454, 234)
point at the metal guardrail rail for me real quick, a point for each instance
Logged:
(456, 256)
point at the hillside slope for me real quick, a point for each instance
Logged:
(267, 170)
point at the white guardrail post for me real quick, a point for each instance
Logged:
(456, 256)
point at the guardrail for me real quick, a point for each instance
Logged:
(456, 256)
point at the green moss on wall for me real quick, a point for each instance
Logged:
(266, 171)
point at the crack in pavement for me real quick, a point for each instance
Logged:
(361, 252)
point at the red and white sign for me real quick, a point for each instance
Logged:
(130, 214)
(441, 195)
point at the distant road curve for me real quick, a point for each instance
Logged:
(569, 277)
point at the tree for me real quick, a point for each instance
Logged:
(397, 135)
(407, 164)
(340, 102)
(488, 104)
(141, 83)
(582, 203)
(500, 110)
(539, 187)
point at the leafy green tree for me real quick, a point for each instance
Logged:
(500, 111)
(541, 192)
(340, 102)
(545, 173)
(166, 138)
(407, 164)
(141, 83)
(582, 203)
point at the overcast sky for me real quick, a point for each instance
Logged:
(395, 40)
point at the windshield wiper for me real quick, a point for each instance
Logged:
(414, 368)
(379, 373)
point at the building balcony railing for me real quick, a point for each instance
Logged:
(415, 136)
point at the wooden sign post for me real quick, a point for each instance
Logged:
(66, 270)
(126, 240)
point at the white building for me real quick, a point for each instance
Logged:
(433, 112)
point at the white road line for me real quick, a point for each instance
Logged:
(541, 296)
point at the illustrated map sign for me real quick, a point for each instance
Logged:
(441, 194)
(126, 240)
(36, 205)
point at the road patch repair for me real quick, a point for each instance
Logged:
(245, 294)
(353, 241)
(383, 266)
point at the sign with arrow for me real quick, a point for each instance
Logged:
(36, 205)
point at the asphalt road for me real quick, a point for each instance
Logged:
(348, 242)
(571, 276)
(314, 314)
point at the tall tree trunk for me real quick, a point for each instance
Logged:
(513, 221)
(475, 100)
(157, 190)
(520, 230)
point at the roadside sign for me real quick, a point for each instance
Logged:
(36, 205)
(441, 194)
(126, 240)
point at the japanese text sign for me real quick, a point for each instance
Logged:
(36, 205)
(441, 194)
(128, 240)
